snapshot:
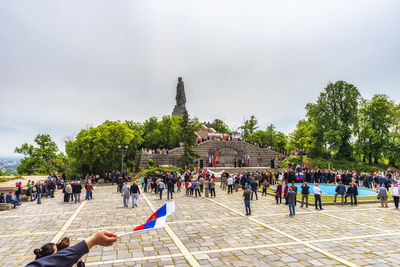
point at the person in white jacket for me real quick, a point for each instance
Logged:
(317, 196)
(396, 194)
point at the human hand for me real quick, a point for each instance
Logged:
(101, 238)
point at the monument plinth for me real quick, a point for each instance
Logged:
(180, 98)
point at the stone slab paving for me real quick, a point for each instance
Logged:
(213, 232)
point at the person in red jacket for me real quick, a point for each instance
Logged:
(285, 192)
(278, 193)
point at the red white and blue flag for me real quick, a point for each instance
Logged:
(157, 220)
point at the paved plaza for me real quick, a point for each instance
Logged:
(207, 232)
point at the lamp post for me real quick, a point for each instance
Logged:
(122, 149)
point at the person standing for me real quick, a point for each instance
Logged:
(396, 195)
(294, 189)
(89, 189)
(18, 193)
(383, 196)
(349, 193)
(223, 181)
(52, 187)
(291, 198)
(39, 192)
(230, 184)
(355, 190)
(68, 192)
(254, 188)
(197, 188)
(76, 190)
(161, 187)
(206, 187)
(285, 191)
(317, 196)
(305, 191)
(125, 193)
(246, 195)
(201, 180)
(212, 188)
(135, 194)
(340, 190)
(265, 187)
(170, 188)
(278, 193)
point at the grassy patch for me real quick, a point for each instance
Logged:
(6, 179)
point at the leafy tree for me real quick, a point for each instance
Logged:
(188, 134)
(318, 144)
(270, 138)
(300, 138)
(376, 116)
(281, 141)
(42, 158)
(336, 115)
(170, 129)
(135, 145)
(248, 128)
(95, 150)
(260, 137)
(393, 151)
(220, 126)
(152, 134)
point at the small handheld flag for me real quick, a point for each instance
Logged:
(157, 220)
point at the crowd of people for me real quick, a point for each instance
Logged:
(284, 185)
(197, 183)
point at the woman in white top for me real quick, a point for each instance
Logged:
(396, 194)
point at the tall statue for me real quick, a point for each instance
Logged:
(180, 98)
(180, 93)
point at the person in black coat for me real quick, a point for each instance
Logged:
(76, 190)
(350, 193)
(355, 190)
(70, 256)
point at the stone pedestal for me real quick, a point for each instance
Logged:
(178, 110)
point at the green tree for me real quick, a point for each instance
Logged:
(170, 129)
(318, 144)
(336, 115)
(260, 137)
(300, 138)
(95, 150)
(248, 128)
(188, 134)
(393, 151)
(42, 158)
(270, 138)
(151, 133)
(376, 117)
(281, 141)
(220, 126)
(135, 145)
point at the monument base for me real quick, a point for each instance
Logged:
(178, 110)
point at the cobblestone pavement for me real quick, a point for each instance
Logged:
(207, 232)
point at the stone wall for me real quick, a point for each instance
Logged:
(227, 150)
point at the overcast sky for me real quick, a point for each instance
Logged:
(65, 65)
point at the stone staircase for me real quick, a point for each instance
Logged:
(226, 150)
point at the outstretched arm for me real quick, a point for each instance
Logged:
(69, 256)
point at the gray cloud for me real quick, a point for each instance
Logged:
(65, 65)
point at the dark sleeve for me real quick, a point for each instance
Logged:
(65, 258)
